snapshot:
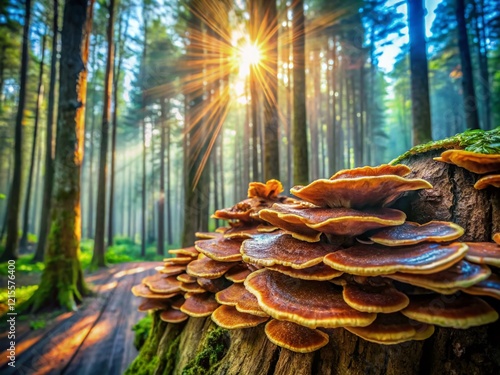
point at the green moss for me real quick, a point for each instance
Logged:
(480, 141)
(209, 355)
(142, 329)
(147, 361)
(171, 355)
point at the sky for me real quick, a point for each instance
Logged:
(388, 56)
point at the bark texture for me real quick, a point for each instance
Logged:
(62, 283)
(200, 347)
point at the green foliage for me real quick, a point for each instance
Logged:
(23, 266)
(480, 141)
(124, 250)
(207, 359)
(23, 293)
(37, 324)
(142, 329)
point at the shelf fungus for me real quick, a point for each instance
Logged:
(486, 181)
(472, 161)
(455, 311)
(483, 253)
(295, 337)
(411, 233)
(393, 329)
(337, 259)
(300, 220)
(368, 189)
(308, 303)
(374, 260)
(230, 318)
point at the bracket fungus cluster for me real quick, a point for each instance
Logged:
(476, 163)
(337, 258)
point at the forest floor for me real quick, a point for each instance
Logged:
(96, 339)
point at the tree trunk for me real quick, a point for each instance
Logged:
(91, 187)
(27, 201)
(270, 87)
(421, 112)
(98, 257)
(469, 95)
(177, 348)
(49, 142)
(299, 125)
(11, 250)
(116, 82)
(62, 283)
(160, 249)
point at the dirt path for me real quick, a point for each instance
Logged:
(97, 339)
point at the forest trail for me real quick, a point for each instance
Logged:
(96, 339)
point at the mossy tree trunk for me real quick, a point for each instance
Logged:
(49, 155)
(98, 257)
(11, 245)
(62, 283)
(200, 347)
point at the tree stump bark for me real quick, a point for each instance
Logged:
(200, 347)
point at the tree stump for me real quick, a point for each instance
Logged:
(200, 347)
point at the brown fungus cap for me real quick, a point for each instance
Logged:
(283, 249)
(208, 235)
(292, 225)
(270, 190)
(295, 337)
(374, 299)
(248, 304)
(486, 181)
(308, 303)
(460, 275)
(489, 287)
(381, 170)
(178, 261)
(153, 304)
(411, 233)
(374, 260)
(142, 290)
(230, 318)
(160, 283)
(241, 231)
(389, 329)
(187, 251)
(192, 288)
(472, 161)
(359, 192)
(223, 250)
(319, 272)
(199, 305)
(455, 311)
(173, 316)
(337, 221)
(172, 270)
(185, 278)
(231, 295)
(496, 238)
(208, 268)
(177, 301)
(483, 253)
(238, 274)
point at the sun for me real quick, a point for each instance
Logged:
(249, 55)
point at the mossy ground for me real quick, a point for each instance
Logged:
(480, 141)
